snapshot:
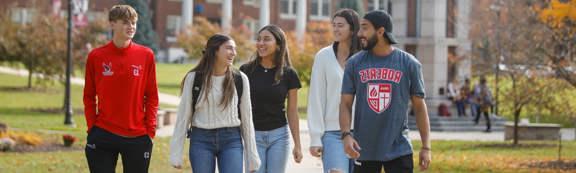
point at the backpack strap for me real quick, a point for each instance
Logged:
(196, 88)
(239, 89)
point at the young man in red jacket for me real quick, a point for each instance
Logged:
(120, 98)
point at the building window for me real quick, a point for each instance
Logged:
(413, 14)
(451, 16)
(172, 25)
(251, 25)
(214, 1)
(381, 5)
(288, 8)
(251, 3)
(453, 59)
(320, 10)
(412, 49)
(22, 15)
(93, 15)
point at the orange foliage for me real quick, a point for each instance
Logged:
(558, 13)
(194, 38)
(318, 35)
(25, 138)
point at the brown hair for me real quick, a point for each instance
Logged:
(206, 67)
(281, 56)
(353, 20)
(122, 12)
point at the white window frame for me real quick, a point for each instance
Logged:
(17, 15)
(320, 11)
(253, 3)
(214, 1)
(252, 26)
(95, 15)
(380, 4)
(291, 14)
(177, 23)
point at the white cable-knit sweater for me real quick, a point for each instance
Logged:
(324, 95)
(213, 117)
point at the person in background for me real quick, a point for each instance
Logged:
(483, 100)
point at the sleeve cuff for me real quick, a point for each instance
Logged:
(316, 140)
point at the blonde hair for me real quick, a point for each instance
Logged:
(122, 12)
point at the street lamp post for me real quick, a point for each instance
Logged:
(67, 106)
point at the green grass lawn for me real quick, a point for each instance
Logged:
(169, 77)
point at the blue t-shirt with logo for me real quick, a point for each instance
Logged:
(383, 86)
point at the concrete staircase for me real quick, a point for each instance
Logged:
(459, 124)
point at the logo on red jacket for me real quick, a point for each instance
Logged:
(379, 97)
(107, 69)
(136, 70)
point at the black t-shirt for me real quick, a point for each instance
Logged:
(268, 99)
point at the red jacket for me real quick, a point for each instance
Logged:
(120, 91)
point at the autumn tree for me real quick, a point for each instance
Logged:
(559, 19)
(40, 45)
(508, 35)
(193, 39)
(318, 35)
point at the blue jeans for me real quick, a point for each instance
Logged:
(461, 107)
(273, 148)
(333, 155)
(207, 145)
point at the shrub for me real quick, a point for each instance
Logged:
(68, 140)
(26, 138)
(318, 35)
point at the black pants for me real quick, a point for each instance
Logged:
(486, 117)
(103, 147)
(402, 164)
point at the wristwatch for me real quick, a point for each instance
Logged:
(344, 134)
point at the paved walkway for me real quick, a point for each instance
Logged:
(163, 98)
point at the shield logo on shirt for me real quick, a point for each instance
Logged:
(136, 70)
(107, 69)
(379, 97)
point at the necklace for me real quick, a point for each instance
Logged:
(267, 69)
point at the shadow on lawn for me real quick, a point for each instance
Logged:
(512, 146)
(37, 111)
(564, 165)
(35, 89)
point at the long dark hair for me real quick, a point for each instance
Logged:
(354, 21)
(281, 56)
(206, 67)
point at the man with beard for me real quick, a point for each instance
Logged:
(384, 80)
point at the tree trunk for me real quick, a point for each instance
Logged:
(516, 119)
(29, 77)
